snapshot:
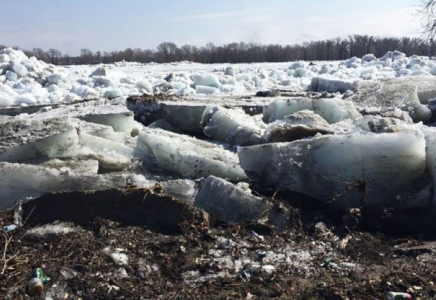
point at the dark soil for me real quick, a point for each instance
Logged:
(313, 261)
(16, 110)
(153, 98)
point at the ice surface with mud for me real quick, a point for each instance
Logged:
(346, 133)
(326, 167)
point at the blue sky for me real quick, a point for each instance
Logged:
(107, 25)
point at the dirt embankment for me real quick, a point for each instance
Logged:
(141, 244)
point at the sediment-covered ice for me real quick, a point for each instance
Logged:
(379, 124)
(230, 203)
(186, 114)
(162, 124)
(231, 126)
(340, 168)
(120, 122)
(188, 157)
(332, 85)
(182, 115)
(25, 139)
(35, 139)
(18, 181)
(236, 204)
(331, 109)
(106, 132)
(99, 112)
(417, 111)
(182, 189)
(84, 167)
(394, 91)
(111, 155)
(302, 124)
(430, 139)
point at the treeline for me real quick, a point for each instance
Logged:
(332, 49)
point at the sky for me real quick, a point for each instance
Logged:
(107, 25)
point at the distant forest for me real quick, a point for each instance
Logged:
(332, 49)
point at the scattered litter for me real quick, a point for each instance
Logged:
(49, 230)
(268, 269)
(18, 214)
(261, 255)
(119, 258)
(257, 236)
(9, 228)
(36, 283)
(344, 242)
(399, 296)
(122, 273)
(68, 273)
(39, 273)
(223, 243)
(35, 286)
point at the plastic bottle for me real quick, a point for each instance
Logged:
(399, 296)
(35, 286)
(36, 283)
(9, 228)
(39, 273)
(18, 214)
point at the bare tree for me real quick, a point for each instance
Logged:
(427, 13)
(128, 54)
(55, 55)
(66, 59)
(39, 53)
(98, 57)
(167, 50)
(86, 56)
